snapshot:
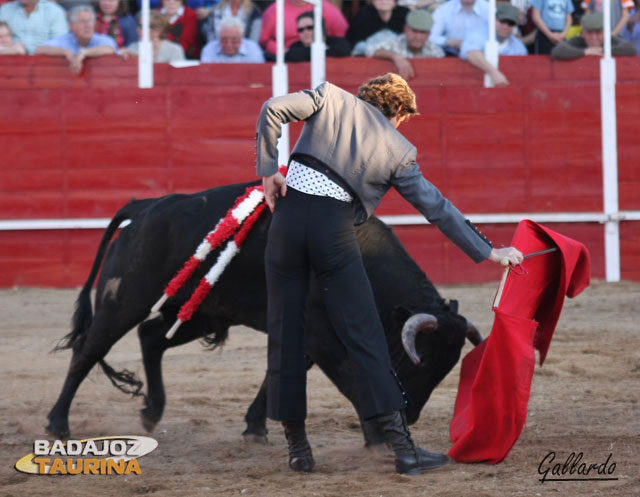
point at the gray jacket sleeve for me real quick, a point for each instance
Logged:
(574, 48)
(571, 49)
(278, 111)
(622, 48)
(428, 200)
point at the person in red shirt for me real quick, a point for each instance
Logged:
(184, 26)
(334, 21)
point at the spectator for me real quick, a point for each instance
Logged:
(591, 42)
(414, 42)
(619, 12)
(526, 29)
(7, 45)
(67, 5)
(244, 10)
(428, 5)
(81, 42)
(201, 7)
(231, 47)
(183, 26)
(508, 44)
(163, 49)
(113, 19)
(631, 31)
(374, 17)
(33, 22)
(454, 19)
(333, 18)
(553, 20)
(300, 51)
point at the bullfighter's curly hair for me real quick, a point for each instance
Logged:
(388, 93)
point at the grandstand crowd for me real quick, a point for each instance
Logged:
(242, 31)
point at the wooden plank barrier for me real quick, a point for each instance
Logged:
(82, 146)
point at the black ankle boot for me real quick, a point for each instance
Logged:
(410, 459)
(300, 457)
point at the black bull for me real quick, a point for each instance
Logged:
(163, 234)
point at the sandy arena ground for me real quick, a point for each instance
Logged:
(585, 398)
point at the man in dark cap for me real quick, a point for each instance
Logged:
(472, 48)
(591, 41)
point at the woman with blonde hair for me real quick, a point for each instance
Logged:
(243, 10)
(348, 155)
(163, 49)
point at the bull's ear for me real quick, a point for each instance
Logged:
(401, 314)
(453, 305)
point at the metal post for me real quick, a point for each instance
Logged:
(609, 152)
(145, 52)
(280, 80)
(491, 47)
(318, 48)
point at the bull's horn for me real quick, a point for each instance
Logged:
(418, 323)
(473, 335)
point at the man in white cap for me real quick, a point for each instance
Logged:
(413, 42)
(508, 44)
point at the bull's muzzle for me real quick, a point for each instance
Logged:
(418, 323)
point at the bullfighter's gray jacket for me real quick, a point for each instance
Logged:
(352, 139)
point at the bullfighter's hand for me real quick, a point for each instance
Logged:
(274, 186)
(509, 254)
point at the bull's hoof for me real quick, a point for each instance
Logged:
(377, 447)
(373, 435)
(256, 439)
(256, 434)
(149, 418)
(58, 429)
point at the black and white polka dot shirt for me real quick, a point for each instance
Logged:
(312, 182)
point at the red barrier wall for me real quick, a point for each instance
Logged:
(80, 147)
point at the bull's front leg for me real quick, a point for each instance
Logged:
(373, 434)
(256, 416)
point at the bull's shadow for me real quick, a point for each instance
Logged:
(163, 233)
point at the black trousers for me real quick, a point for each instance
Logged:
(316, 233)
(542, 45)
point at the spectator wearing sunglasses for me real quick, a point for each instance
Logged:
(300, 51)
(472, 48)
(336, 23)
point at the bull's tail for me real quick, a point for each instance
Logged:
(126, 381)
(83, 314)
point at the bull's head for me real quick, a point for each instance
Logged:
(432, 340)
(427, 323)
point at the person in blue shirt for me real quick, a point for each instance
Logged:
(454, 19)
(553, 20)
(472, 48)
(231, 46)
(81, 42)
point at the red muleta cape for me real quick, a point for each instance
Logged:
(495, 378)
